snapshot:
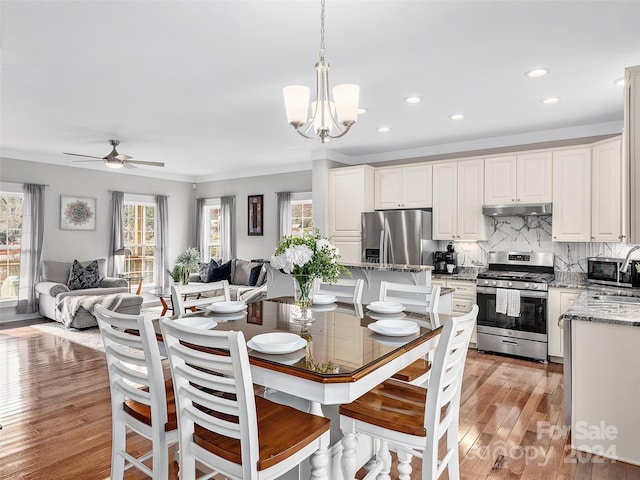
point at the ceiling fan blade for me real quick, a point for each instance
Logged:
(121, 156)
(87, 161)
(128, 165)
(80, 155)
(153, 164)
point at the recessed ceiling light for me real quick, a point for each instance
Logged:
(413, 99)
(537, 72)
(384, 129)
(362, 111)
(550, 100)
(456, 116)
(619, 81)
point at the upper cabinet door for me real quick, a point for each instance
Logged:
(350, 194)
(417, 186)
(445, 201)
(500, 180)
(571, 195)
(403, 187)
(388, 194)
(606, 201)
(534, 184)
(471, 221)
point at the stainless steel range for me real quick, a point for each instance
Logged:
(512, 296)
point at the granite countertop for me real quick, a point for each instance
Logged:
(388, 267)
(590, 307)
(446, 290)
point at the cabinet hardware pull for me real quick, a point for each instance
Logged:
(509, 342)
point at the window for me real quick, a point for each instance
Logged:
(301, 213)
(10, 239)
(212, 218)
(138, 223)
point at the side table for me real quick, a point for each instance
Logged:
(163, 294)
(133, 278)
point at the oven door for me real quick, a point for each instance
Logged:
(533, 312)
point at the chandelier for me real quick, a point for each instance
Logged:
(330, 118)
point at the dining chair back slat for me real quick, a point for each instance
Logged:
(344, 289)
(193, 295)
(427, 296)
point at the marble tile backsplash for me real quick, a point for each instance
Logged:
(533, 234)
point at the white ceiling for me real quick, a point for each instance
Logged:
(198, 84)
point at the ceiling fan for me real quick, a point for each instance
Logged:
(115, 159)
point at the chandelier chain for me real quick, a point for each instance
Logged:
(322, 30)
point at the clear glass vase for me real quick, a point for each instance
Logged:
(303, 291)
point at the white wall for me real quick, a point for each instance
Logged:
(249, 247)
(67, 245)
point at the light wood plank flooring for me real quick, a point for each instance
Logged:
(56, 418)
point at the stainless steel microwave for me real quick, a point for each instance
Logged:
(606, 271)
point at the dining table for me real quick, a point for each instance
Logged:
(344, 355)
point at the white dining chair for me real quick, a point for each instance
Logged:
(141, 399)
(193, 295)
(345, 289)
(427, 296)
(409, 419)
(223, 425)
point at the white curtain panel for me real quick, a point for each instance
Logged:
(284, 214)
(117, 231)
(200, 229)
(31, 246)
(161, 256)
(228, 214)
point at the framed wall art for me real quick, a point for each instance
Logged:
(77, 213)
(255, 215)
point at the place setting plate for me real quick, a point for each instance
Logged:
(203, 323)
(387, 316)
(394, 328)
(324, 299)
(385, 307)
(228, 317)
(277, 343)
(231, 306)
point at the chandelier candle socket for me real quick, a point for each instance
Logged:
(328, 116)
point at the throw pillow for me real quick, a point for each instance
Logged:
(217, 273)
(204, 269)
(84, 277)
(255, 275)
(242, 272)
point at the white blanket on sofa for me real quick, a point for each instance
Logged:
(70, 305)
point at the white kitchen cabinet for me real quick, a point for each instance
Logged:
(525, 178)
(458, 195)
(463, 298)
(349, 247)
(560, 299)
(350, 194)
(631, 150)
(409, 186)
(572, 195)
(607, 198)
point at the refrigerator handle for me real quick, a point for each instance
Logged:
(383, 247)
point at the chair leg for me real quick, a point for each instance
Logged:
(349, 461)
(453, 466)
(160, 456)
(319, 464)
(404, 465)
(118, 444)
(384, 456)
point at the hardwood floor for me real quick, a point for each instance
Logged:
(56, 418)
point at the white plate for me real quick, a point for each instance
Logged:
(277, 343)
(385, 307)
(324, 299)
(324, 308)
(227, 307)
(375, 328)
(399, 327)
(196, 322)
(227, 317)
(387, 316)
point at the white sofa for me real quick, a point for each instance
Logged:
(53, 289)
(239, 288)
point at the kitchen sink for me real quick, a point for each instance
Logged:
(616, 299)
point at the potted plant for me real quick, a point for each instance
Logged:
(186, 263)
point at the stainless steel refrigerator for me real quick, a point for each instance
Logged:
(398, 236)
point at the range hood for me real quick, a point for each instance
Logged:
(521, 209)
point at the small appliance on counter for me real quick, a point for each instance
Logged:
(606, 271)
(445, 262)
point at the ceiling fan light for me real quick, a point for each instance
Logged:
(346, 99)
(296, 103)
(114, 165)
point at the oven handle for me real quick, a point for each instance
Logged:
(523, 293)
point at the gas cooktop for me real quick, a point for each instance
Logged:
(519, 276)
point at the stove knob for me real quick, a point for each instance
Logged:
(494, 283)
(534, 286)
(526, 286)
(509, 284)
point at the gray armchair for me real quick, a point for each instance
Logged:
(75, 312)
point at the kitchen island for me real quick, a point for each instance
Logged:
(602, 377)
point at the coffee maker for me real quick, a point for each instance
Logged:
(442, 259)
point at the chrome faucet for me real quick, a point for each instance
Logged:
(627, 260)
